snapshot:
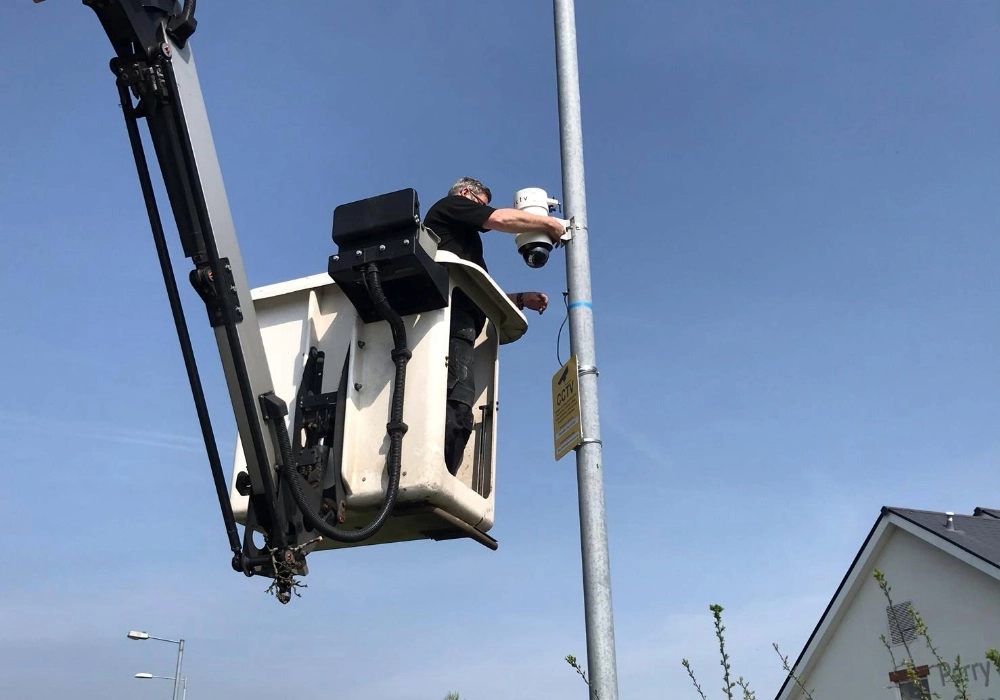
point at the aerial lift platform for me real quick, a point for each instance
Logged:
(337, 380)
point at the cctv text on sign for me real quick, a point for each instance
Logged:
(566, 430)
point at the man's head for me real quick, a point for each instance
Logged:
(473, 189)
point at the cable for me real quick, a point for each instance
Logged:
(396, 428)
(559, 335)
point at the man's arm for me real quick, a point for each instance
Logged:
(536, 301)
(511, 220)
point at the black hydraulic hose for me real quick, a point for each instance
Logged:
(190, 364)
(186, 14)
(182, 26)
(395, 428)
(188, 10)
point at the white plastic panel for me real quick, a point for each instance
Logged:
(312, 311)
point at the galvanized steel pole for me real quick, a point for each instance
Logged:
(177, 672)
(601, 660)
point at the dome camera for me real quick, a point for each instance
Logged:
(534, 247)
(535, 253)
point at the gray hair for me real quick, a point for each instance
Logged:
(473, 184)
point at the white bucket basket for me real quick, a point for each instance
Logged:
(313, 312)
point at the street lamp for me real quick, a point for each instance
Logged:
(184, 681)
(180, 655)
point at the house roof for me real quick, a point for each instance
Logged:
(974, 539)
(977, 535)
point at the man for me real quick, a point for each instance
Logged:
(458, 219)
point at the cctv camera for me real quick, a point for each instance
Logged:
(534, 247)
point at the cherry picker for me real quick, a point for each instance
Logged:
(333, 451)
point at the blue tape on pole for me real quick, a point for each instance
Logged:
(584, 304)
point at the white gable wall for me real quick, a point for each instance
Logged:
(959, 604)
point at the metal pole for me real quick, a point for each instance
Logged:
(593, 528)
(184, 696)
(177, 673)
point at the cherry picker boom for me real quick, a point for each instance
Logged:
(307, 475)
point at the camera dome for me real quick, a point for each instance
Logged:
(535, 254)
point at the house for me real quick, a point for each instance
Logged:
(945, 567)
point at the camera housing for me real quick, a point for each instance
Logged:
(534, 247)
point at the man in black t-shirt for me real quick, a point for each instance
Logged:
(458, 220)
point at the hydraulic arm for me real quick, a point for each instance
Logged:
(157, 81)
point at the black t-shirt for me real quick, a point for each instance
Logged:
(458, 221)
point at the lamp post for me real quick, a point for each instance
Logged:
(184, 682)
(589, 456)
(142, 636)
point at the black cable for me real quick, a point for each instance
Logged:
(177, 310)
(559, 335)
(395, 428)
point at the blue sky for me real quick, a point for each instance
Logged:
(793, 217)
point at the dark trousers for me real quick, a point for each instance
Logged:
(466, 324)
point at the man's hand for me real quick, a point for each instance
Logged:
(556, 229)
(536, 301)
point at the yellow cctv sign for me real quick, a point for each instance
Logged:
(566, 429)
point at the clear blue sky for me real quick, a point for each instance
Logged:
(793, 212)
